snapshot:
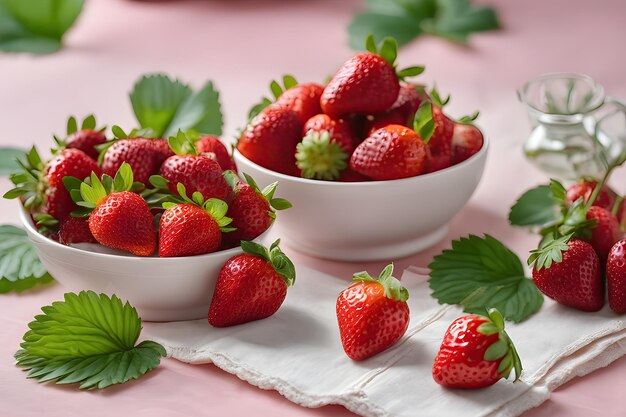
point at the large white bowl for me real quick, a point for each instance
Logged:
(162, 289)
(377, 220)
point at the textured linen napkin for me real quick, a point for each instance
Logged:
(298, 353)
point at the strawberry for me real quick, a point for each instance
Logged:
(211, 144)
(325, 148)
(584, 189)
(367, 83)
(390, 153)
(466, 141)
(373, 123)
(303, 100)
(372, 314)
(440, 142)
(40, 185)
(475, 353)
(75, 230)
(140, 153)
(118, 218)
(251, 286)
(251, 209)
(196, 172)
(606, 231)
(270, 139)
(616, 277)
(193, 227)
(85, 139)
(402, 111)
(568, 271)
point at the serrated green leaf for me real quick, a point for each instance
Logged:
(36, 26)
(456, 20)
(481, 273)
(201, 111)
(87, 339)
(20, 267)
(8, 157)
(536, 207)
(403, 28)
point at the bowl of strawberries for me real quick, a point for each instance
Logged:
(372, 165)
(150, 220)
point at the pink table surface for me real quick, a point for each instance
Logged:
(241, 45)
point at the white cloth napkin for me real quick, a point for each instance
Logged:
(298, 353)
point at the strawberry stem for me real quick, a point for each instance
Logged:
(392, 286)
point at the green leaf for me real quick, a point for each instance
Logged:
(87, 339)
(550, 251)
(481, 273)
(36, 26)
(392, 286)
(280, 203)
(496, 350)
(389, 50)
(201, 112)
(423, 123)
(20, 267)
(457, 19)
(289, 81)
(123, 178)
(410, 72)
(536, 207)
(89, 122)
(401, 27)
(72, 125)
(8, 157)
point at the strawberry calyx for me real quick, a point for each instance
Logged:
(275, 256)
(89, 194)
(503, 349)
(46, 223)
(215, 207)
(30, 183)
(423, 121)
(183, 144)
(320, 158)
(88, 123)
(393, 288)
(267, 193)
(388, 50)
(277, 90)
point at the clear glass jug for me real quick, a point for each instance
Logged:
(576, 130)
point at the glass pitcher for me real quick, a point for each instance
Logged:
(576, 130)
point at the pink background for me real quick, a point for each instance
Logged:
(241, 45)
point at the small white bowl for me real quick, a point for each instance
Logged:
(366, 221)
(162, 289)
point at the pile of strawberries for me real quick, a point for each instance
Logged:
(177, 197)
(366, 124)
(584, 247)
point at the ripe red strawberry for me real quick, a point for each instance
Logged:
(211, 144)
(367, 83)
(390, 153)
(568, 271)
(475, 353)
(251, 209)
(325, 148)
(373, 123)
(605, 233)
(303, 100)
(143, 155)
(339, 129)
(270, 139)
(440, 143)
(196, 172)
(192, 228)
(85, 139)
(616, 277)
(251, 286)
(41, 187)
(584, 189)
(162, 148)
(409, 99)
(466, 141)
(372, 314)
(119, 219)
(75, 230)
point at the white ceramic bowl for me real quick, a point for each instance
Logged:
(162, 289)
(377, 220)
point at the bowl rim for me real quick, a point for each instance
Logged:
(28, 224)
(417, 178)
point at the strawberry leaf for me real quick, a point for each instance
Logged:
(20, 267)
(496, 350)
(165, 105)
(536, 207)
(87, 339)
(36, 26)
(480, 272)
(8, 156)
(423, 123)
(393, 287)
